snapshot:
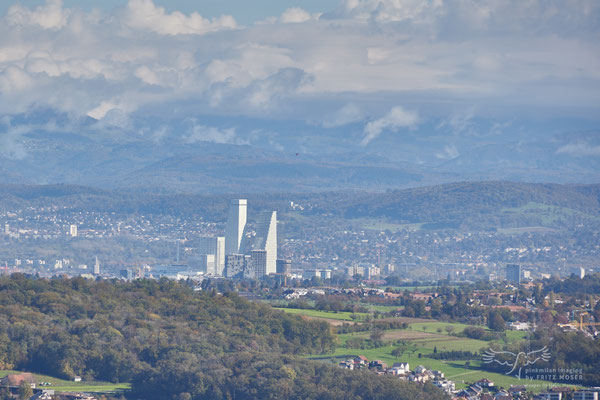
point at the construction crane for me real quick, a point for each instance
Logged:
(580, 324)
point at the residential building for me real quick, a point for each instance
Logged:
(373, 271)
(207, 263)
(355, 270)
(235, 264)
(258, 264)
(284, 267)
(214, 246)
(513, 273)
(585, 395)
(446, 385)
(400, 368)
(550, 396)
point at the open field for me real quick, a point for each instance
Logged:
(526, 229)
(380, 308)
(548, 215)
(61, 385)
(429, 326)
(371, 307)
(382, 225)
(328, 315)
(407, 320)
(412, 288)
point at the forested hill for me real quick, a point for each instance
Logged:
(447, 201)
(463, 204)
(170, 341)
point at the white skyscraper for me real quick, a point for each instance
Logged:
(266, 239)
(97, 267)
(236, 222)
(214, 246)
(73, 230)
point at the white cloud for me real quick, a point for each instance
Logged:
(296, 15)
(346, 115)
(386, 10)
(202, 133)
(50, 16)
(460, 122)
(101, 110)
(580, 149)
(286, 82)
(145, 15)
(395, 119)
(14, 79)
(450, 152)
(11, 143)
(434, 57)
(249, 62)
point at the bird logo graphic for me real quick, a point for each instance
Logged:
(516, 360)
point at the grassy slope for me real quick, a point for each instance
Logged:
(342, 315)
(61, 385)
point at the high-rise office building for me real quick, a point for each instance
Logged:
(6, 229)
(236, 222)
(284, 267)
(214, 246)
(513, 273)
(579, 272)
(266, 239)
(73, 230)
(258, 264)
(207, 264)
(97, 267)
(235, 264)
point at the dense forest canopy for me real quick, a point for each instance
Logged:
(169, 340)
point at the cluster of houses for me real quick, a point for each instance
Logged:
(13, 383)
(402, 371)
(483, 389)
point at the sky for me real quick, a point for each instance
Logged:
(381, 69)
(239, 9)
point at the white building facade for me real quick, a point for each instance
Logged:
(236, 223)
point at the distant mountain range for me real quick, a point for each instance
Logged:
(172, 162)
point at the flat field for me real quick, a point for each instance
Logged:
(326, 315)
(61, 385)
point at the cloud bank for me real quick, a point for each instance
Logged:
(341, 66)
(395, 119)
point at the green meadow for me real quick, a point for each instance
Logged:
(341, 315)
(61, 385)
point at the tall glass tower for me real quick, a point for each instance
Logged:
(266, 239)
(236, 222)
